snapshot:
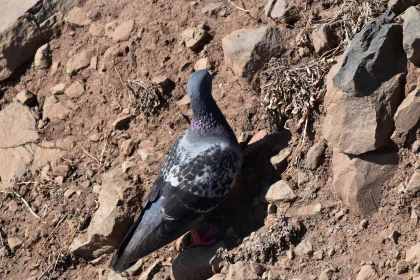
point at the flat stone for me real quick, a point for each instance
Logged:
(241, 271)
(194, 38)
(202, 64)
(128, 147)
(278, 192)
(14, 242)
(211, 8)
(280, 160)
(413, 186)
(326, 274)
(314, 155)
(358, 180)
(26, 97)
(97, 30)
(78, 62)
(123, 31)
(367, 272)
(304, 248)
(411, 34)
(247, 50)
(77, 17)
(111, 221)
(75, 90)
(412, 255)
(183, 101)
(198, 263)
(58, 89)
(69, 193)
(53, 109)
(325, 38)
(18, 136)
(42, 59)
(282, 9)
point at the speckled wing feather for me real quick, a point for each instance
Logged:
(188, 187)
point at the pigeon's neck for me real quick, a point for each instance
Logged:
(207, 118)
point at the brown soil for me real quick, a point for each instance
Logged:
(155, 50)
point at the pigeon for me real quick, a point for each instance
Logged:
(198, 174)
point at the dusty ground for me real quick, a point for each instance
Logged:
(155, 50)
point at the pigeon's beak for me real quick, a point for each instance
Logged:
(213, 74)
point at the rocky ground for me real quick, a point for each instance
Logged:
(322, 95)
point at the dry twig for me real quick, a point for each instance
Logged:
(27, 205)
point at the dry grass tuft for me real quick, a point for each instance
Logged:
(148, 97)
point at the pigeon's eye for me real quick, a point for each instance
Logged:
(208, 78)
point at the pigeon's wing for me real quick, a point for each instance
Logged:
(184, 191)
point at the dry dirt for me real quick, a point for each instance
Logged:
(155, 50)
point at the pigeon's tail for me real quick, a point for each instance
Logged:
(136, 243)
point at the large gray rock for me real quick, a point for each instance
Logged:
(399, 6)
(374, 56)
(406, 117)
(26, 25)
(247, 50)
(358, 180)
(411, 34)
(356, 124)
(282, 9)
(198, 263)
(111, 221)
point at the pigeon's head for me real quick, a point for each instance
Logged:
(199, 85)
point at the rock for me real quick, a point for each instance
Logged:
(303, 178)
(280, 160)
(319, 255)
(413, 186)
(78, 62)
(194, 38)
(17, 137)
(399, 6)
(26, 98)
(183, 101)
(198, 262)
(111, 221)
(128, 147)
(282, 9)
(363, 224)
(162, 81)
(151, 271)
(121, 123)
(96, 189)
(412, 255)
(115, 276)
(402, 267)
(58, 89)
(24, 27)
(411, 34)
(211, 8)
(127, 165)
(42, 57)
(326, 274)
(14, 242)
(257, 268)
(13, 206)
(314, 155)
(356, 125)
(96, 30)
(53, 109)
(94, 63)
(123, 31)
(61, 170)
(304, 249)
(256, 143)
(202, 64)
(54, 68)
(75, 90)
(241, 271)
(136, 268)
(77, 17)
(309, 210)
(44, 156)
(218, 276)
(358, 180)
(69, 193)
(365, 64)
(247, 50)
(278, 192)
(367, 272)
(271, 208)
(406, 117)
(325, 38)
